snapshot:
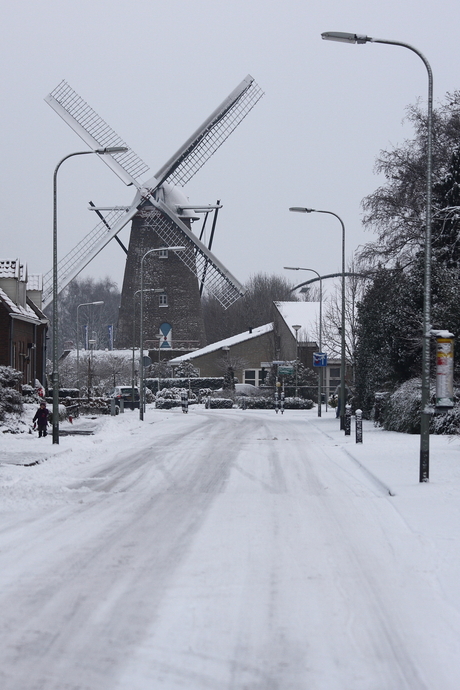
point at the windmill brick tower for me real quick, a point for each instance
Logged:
(161, 217)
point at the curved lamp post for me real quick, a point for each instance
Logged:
(134, 336)
(320, 376)
(302, 209)
(55, 376)
(141, 319)
(86, 304)
(424, 470)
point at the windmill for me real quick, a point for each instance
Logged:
(161, 216)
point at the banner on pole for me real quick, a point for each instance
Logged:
(444, 372)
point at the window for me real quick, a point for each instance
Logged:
(254, 376)
(163, 254)
(163, 300)
(250, 376)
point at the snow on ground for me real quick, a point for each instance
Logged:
(228, 549)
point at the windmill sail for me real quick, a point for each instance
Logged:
(211, 135)
(96, 133)
(197, 257)
(85, 251)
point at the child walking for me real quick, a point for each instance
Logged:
(41, 419)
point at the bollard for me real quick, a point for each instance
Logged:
(347, 420)
(122, 405)
(112, 407)
(359, 426)
(184, 400)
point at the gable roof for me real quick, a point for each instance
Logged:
(15, 310)
(227, 342)
(304, 314)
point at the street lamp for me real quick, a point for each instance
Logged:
(297, 328)
(320, 375)
(424, 470)
(134, 336)
(302, 209)
(86, 304)
(55, 375)
(141, 318)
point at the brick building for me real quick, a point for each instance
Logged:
(173, 315)
(23, 326)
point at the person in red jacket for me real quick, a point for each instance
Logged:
(41, 419)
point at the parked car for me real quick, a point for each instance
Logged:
(125, 393)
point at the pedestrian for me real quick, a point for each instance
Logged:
(41, 419)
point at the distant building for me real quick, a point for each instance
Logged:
(23, 326)
(245, 353)
(250, 354)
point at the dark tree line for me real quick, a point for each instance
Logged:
(96, 318)
(254, 309)
(390, 319)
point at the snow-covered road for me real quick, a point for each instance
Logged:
(222, 550)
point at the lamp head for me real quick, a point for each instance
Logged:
(301, 209)
(112, 149)
(342, 37)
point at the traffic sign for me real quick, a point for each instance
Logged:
(285, 371)
(319, 359)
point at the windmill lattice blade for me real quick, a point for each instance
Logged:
(80, 256)
(95, 132)
(211, 135)
(198, 259)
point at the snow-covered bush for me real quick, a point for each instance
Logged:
(220, 403)
(171, 397)
(149, 396)
(29, 394)
(167, 403)
(447, 423)
(256, 403)
(298, 404)
(11, 400)
(402, 408)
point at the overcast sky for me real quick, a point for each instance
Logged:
(155, 70)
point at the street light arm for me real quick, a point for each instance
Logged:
(304, 209)
(425, 414)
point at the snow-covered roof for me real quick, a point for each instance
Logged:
(12, 268)
(227, 342)
(15, 309)
(304, 314)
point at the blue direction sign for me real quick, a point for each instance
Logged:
(319, 359)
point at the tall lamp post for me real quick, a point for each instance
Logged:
(141, 319)
(320, 375)
(424, 469)
(55, 376)
(302, 209)
(134, 336)
(297, 328)
(86, 304)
